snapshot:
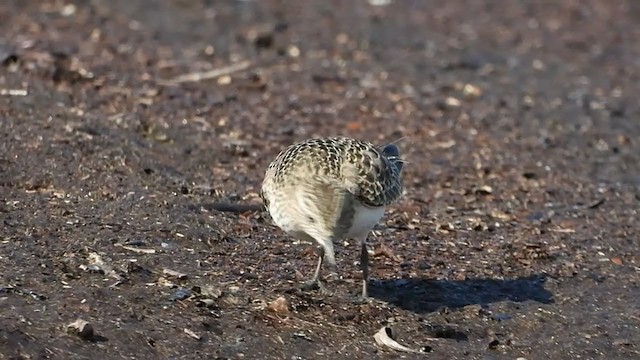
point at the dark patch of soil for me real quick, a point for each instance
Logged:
(517, 237)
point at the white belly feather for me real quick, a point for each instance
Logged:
(364, 219)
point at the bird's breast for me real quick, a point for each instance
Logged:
(364, 219)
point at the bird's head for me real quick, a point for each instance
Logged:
(392, 153)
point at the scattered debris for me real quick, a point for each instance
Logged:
(208, 303)
(623, 342)
(501, 317)
(15, 290)
(483, 190)
(207, 75)
(302, 335)
(441, 145)
(135, 242)
(13, 92)
(192, 334)
(379, 2)
(135, 249)
(208, 291)
(180, 294)
(616, 260)
(81, 328)
(162, 281)
(174, 274)
(97, 261)
(471, 91)
(92, 269)
(445, 228)
(386, 251)
(279, 306)
(562, 230)
(452, 102)
(384, 337)
(596, 204)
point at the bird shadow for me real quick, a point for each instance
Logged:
(422, 295)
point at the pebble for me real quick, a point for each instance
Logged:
(82, 328)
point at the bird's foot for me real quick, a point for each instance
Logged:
(360, 300)
(312, 285)
(363, 298)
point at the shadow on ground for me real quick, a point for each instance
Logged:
(427, 295)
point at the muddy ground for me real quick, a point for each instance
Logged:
(134, 136)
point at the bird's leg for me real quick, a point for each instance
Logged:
(315, 282)
(364, 265)
(316, 274)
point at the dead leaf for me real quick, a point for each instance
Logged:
(616, 260)
(384, 250)
(354, 126)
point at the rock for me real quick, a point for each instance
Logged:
(180, 294)
(81, 328)
(279, 306)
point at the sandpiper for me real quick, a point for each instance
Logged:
(329, 189)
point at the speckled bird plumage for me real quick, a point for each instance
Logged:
(326, 189)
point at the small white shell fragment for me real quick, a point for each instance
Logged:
(384, 337)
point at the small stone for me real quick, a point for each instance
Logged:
(484, 190)
(224, 80)
(471, 91)
(208, 303)
(279, 306)
(180, 294)
(452, 102)
(82, 328)
(210, 291)
(501, 317)
(192, 334)
(379, 2)
(68, 10)
(293, 51)
(174, 274)
(616, 260)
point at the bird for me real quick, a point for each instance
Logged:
(327, 189)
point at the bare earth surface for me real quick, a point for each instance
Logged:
(128, 192)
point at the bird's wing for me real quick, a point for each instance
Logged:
(373, 179)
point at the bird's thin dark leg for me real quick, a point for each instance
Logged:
(315, 282)
(316, 274)
(364, 264)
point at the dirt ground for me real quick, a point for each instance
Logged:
(134, 136)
